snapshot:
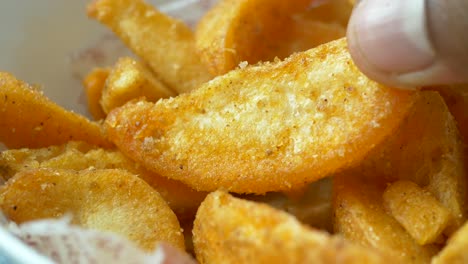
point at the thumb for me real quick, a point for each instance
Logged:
(410, 43)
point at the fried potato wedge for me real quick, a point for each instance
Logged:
(29, 119)
(427, 150)
(311, 205)
(417, 210)
(229, 34)
(107, 200)
(94, 84)
(360, 217)
(455, 251)
(166, 44)
(80, 156)
(232, 230)
(271, 127)
(456, 98)
(129, 80)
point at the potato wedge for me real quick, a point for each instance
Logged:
(80, 156)
(361, 217)
(94, 84)
(166, 44)
(455, 251)
(29, 119)
(229, 34)
(417, 210)
(108, 200)
(311, 205)
(427, 150)
(231, 230)
(456, 98)
(129, 80)
(271, 127)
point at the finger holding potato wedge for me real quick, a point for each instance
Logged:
(271, 127)
(108, 200)
(130, 79)
(29, 119)
(232, 230)
(183, 200)
(165, 43)
(229, 34)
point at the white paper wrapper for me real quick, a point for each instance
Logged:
(53, 44)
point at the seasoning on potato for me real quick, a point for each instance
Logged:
(29, 119)
(130, 79)
(81, 156)
(107, 200)
(271, 127)
(232, 230)
(164, 43)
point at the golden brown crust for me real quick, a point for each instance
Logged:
(270, 127)
(361, 217)
(29, 119)
(165, 43)
(231, 230)
(94, 84)
(427, 150)
(229, 34)
(80, 156)
(108, 200)
(417, 210)
(130, 79)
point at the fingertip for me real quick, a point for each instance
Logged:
(389, 42)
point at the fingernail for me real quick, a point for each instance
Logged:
(392, 35)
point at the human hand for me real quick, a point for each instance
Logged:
(411, 43)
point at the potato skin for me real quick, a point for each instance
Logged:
(108, 200)
(270, 127)
(165, 43)
(29, 119)
(232, 230)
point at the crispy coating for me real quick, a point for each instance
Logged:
(455, 251)
(166, 44)
(80, 156)
(232, 230)
(29, 119)
(129, 80)
(94, 84)
(108, 200)
(229, 34)
(264, 128)
(360, 217)
(427, 150)
(417, 210)
(456, 98)
(311, 205)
